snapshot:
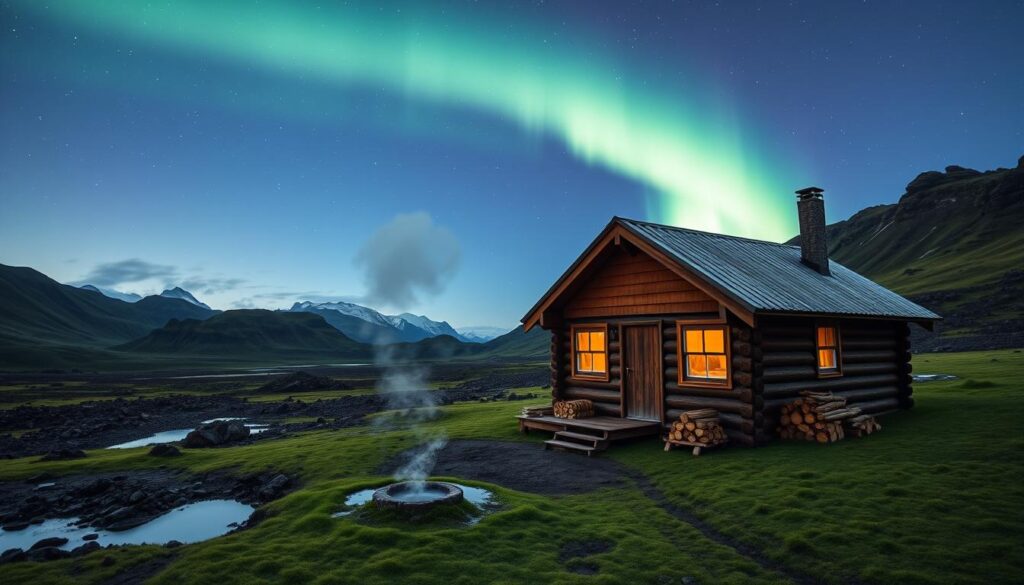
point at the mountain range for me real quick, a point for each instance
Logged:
(953, 242)
(369, 326)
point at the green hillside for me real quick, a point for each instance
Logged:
(535, 344)
(954, 243)
(48, 324)
(250, 334)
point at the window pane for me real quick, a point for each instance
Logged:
(716, 367)
(583, 341)
(714, 341)
(694, 341)
(586, 363)
(826, 337)
(696, 366)
(597, 341)
(827, 359)
(599, 363)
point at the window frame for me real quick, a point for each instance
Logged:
(681, 328)
(592, 376)
(837, 371)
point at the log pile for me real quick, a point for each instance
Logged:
(862, 425)
(535, 411)
(580, 408)
(698, 427)
(818, 416)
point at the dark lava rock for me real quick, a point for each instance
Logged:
(216, 433)
(86, 548)
(47, 542)
(173, 544)
(63, 454)
(16, 525)
(301, 382)
(164, 450)
(13, 555)
(91, 536)
(275, 486)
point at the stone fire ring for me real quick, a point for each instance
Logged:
(390, 496)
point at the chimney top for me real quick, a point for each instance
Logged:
(810, 193)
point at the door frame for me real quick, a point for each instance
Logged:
(659, 391)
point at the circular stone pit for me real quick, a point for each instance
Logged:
(416, 495)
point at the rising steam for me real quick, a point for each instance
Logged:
(406, 258)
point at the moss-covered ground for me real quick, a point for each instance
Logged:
(936, 497)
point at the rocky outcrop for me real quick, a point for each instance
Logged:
(296, 382)
(215, 434)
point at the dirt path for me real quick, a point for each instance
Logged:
(712, 534)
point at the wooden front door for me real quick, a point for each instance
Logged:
(642, 369)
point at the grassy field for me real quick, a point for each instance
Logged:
(936, 497)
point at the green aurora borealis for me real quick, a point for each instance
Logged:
(688, 145)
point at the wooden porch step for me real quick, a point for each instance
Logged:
(579, 436)
(569, 446)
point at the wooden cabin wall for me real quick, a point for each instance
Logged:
(734, 405)
(631, 285)
(874, 357)
(607, 396)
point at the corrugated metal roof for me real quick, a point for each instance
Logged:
(769, 277)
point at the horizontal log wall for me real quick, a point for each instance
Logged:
(874, 363)
(734, 404)
(606, 396)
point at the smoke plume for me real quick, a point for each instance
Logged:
(406, 258)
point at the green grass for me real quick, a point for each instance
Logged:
(935, 497)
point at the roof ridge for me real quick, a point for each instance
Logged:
(693, 231)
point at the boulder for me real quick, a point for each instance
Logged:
(47, 542)
(216, 433)
(48, 553)
(86, 548)
(164, 450)
(274, 487)
(13, 555)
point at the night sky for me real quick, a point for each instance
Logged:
(250, 151)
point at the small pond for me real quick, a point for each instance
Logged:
(474, 495)
(179, 434)
(190, 523)
(932, 377)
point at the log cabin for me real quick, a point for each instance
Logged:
(653, 320)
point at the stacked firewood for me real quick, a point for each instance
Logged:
(818, 416)
(698, 426)
(535, 411)
(862, 425)
(574, 408)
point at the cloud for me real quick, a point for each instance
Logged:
(407, 257)
(210, 285)
(126, 271)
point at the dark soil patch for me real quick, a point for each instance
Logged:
(583, 548)
(140, 572)
(525, 467)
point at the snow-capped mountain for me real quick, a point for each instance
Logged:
(370, 326)
(180, 293)
(435, 328)
(114, 294)
(482, 333)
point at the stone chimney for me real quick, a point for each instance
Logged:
(810, 208)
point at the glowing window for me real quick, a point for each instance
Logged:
(590, 350)
(827, 343)
(703, 354)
